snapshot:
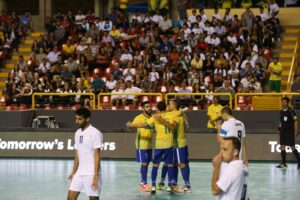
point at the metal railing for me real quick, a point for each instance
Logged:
(199, 94)
(91, 95)
(265, 103)
(294, 65)
(106, 96)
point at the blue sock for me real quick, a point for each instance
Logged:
(170, 176)
(176, 174)
(186, 176)
(144, 171)
(154, 175)
(164, 171)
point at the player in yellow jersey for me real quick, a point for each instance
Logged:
(143, 143)
(181, 155)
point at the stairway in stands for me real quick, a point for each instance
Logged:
(25, 50)
(286, 51)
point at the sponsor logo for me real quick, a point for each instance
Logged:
(48, 145)
(275, 147)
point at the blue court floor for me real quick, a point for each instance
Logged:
(32, 179)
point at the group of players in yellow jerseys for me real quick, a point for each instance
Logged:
(170, 145)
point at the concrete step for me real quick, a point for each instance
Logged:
(25, 46)
(286, 63)
(36, 34)
(286, 38)
(28, 41)
(291, 34)
(24, 50)
(16, 57)
(292, 31)
(285, 60)
(6, 70)
(3, 74)
(281, 50)
(9, 65)
(2, 84)
(288, 46)
(286, 55)
(285, 73)
(282, 43)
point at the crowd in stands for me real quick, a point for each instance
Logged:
(79, 53)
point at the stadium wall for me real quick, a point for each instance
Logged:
(121, 145)
(114, 121)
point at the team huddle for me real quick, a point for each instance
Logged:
(167, 126)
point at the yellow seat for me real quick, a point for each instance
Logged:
(266, 102)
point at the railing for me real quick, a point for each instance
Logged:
(261, 101)
(294, 65)
(199, 94)
(91, 95)
(107, 97)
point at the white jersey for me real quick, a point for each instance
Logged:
(85, 143)
(231, 181)
(233, 128)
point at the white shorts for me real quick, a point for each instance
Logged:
(83, 184)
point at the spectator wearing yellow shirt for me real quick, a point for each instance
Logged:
(68, 48)
(115, 33)
(214, 113)
(275, 68)
(197, 62)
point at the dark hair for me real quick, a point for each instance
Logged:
(235, 142)
(285, 99)
(226, 110)
(83, 112)
(144, 103)
(177, 104)
(161, 106)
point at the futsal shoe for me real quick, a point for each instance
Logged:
(145, 187)
(153, 190)
(176, 189)
(160, 185)
(187, 189)
(282, 166)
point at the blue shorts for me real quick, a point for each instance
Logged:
(181, 155)
(164, 155)
(144, 155)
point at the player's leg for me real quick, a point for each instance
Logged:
(92, 193)
(164, 172)
(169, 159)
(73, 195)
(144, 156)
(184, 168)
(283, 157)
(158, 153)
(295, 152)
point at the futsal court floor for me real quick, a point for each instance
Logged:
(33, 179)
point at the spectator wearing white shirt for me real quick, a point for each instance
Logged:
(248, 60)
(234, 73)
(111, 83)
(263, 16)
(53, 55)
(229, 183)
(231, 38)
(216, 15)
(147, 18)
(131, 99)
(220, 29)
(196, 30)
(126, 57)
(154, 78)
(247, 82)
(203, 15)
(157, 17)
(227, 17)
(81, 47)
(215, 40)
(116, 99)
(192, 18)
(136, 18)
(165, 25)
(209, 28)
(129, 73)
(273, 8)
(200, 23)
(44, 67)
(79, 17)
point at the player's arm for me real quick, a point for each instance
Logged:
(216, 174)
(136, 125)
(184, 110)
(97, 156)
(75, 165)
(244, 155)
(167, 124)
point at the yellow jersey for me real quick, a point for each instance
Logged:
(143, 138)
(276, 68)
(179, 132)
(164, 136)
(214, 112)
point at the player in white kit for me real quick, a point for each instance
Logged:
(85, 176)
(232, 127)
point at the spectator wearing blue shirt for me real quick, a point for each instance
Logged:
(97, 84)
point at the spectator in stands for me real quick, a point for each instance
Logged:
(275, 70)
(181, 6)
(131, 99)
(53, 55)
(185, 100)
(263, 16)
(116, 99)
(273, 8)
(98, 84)
(68, 49)
(44, 67)
(110, 83)
(25, 95)
(224, 100)
(21, 62)
(165, 25)
(65, 74)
